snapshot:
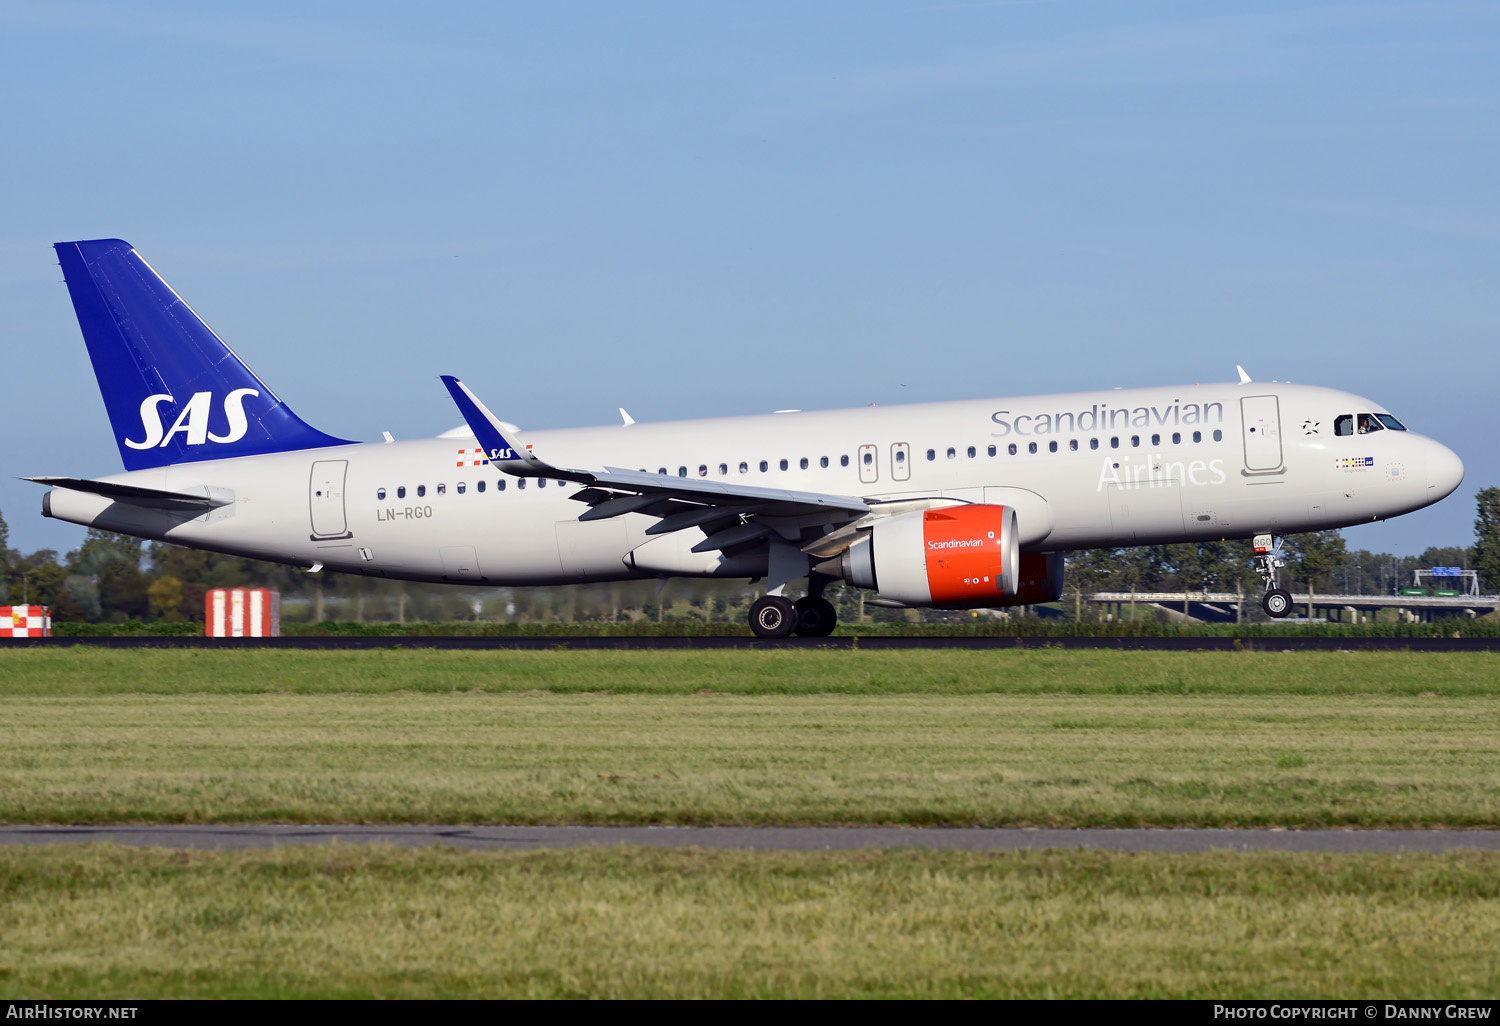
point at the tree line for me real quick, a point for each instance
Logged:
(116, 578)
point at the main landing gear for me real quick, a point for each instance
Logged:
(1277, 602)
(775, 616)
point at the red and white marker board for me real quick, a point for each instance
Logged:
(25, 622)
(242, 613)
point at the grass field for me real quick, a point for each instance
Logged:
(956, 738)
(379, 922)
(1014, 737)
(87, 671)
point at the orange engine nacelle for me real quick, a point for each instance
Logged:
(957, 557)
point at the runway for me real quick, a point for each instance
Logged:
(520, 838)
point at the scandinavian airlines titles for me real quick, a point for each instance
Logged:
(1103, 417)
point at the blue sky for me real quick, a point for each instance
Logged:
(689, 209)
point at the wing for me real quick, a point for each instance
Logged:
(730, 515)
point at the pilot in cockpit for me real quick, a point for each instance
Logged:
(1364, 423)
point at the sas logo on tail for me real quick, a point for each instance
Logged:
(193, 420)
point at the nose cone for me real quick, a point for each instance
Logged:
(1445, 471)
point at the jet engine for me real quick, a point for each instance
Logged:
(958, 557)
(1041, 579)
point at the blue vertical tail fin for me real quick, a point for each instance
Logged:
(174, 391)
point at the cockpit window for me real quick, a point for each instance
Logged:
(1390, 422)
(1368, 423)
(1344, 425)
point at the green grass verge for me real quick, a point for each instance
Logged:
(339, 922)
(1050, 738)
(993, 760)
(86, 671)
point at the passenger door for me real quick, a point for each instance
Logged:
(1260, 418)
(325, 494)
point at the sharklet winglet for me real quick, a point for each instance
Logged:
(513, 459)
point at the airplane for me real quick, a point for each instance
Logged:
(952, 505)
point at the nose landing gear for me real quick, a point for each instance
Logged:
(1277, 602)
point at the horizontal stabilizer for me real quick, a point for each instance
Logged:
(134, 495)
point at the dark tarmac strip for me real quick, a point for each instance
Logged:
(864, 644)
(518, 838)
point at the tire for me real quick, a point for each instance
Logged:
(772, 617)
(1277, 603)
(816, 617)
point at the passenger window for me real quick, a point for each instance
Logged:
(971, 452)
(869, 459)
(662, 471)
(521, 483)
(1031, 448)
(764, 466)
(460, 488)
(479, 486)
(682, 471)
(1051, 446)
(380, 493)
(1114, 442)
(703, 470)
(1093, 443)
(442, 489)
(843, 461)
(952, 452)
(421, 490)
(1012, 448)
(1197, 436)
(1135, 441)
(1176, 437)
(1156, 439)
(1072, 445)
(723, 469)
(931, 455)
(1344, 425)
(823, 462)
(782, 464)
(900, 457)
(401, 492)
(992, 450)
(500, 485)
(1218, 435)
(744, 467)
(541, 482)
(803, 463)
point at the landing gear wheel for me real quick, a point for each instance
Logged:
(816, 617)
(1277, 603)
(772, 617)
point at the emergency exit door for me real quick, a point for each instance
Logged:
(901, 461)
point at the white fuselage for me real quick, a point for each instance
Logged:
(1082, 470)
